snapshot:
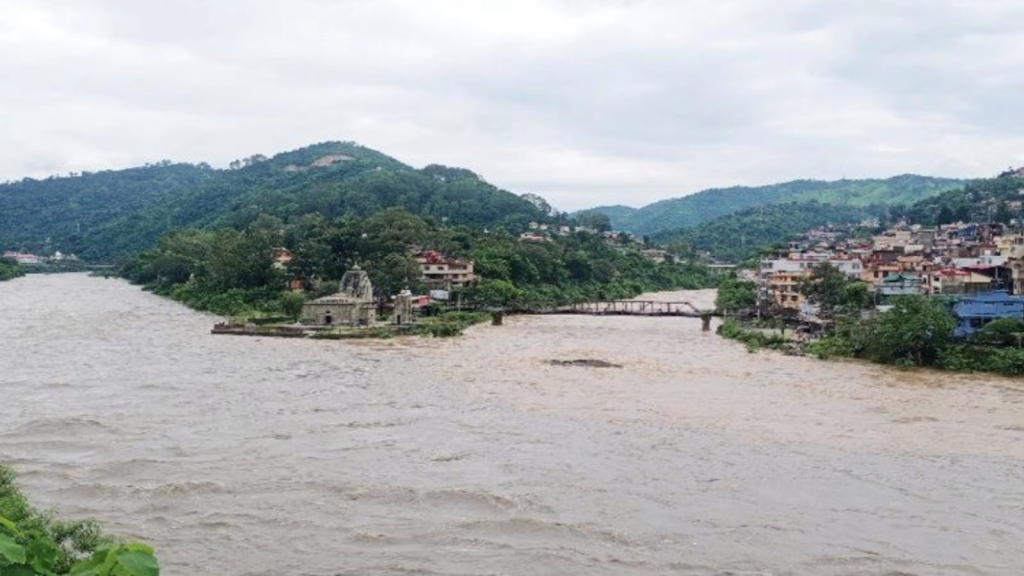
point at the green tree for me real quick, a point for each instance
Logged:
(856, 297)
(596, 220)
(914, 331)
(679, 249)
(9, 270)
(291, 305)
(825, 287)
(497, 293)
(1003, 214)
(735, 294)
(1002, 332)
(945, 216)
(393, 273)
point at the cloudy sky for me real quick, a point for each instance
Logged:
(584, 102)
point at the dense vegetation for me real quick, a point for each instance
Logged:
(914, 331)
(230, 272)
(113, 213)
(62, 211)
(918, 331)
(737, 236)
(10, 270)
(735, 295)
(704, 206)
(35, 543)
(985, 200)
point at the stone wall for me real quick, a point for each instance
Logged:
(339, 314)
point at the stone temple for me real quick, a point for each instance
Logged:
(353, 305)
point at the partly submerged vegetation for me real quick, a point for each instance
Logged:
(35, 543)
(10, 270)
(913, 330)
(444, 325)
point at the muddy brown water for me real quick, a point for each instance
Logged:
(479, 456)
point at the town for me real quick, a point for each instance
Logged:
(980, 266)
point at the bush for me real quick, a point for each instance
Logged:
(754, 339)
(444, 329)
(290, 304)
(34, 543)
(914, 332)
(1002, 332)
(831, 346)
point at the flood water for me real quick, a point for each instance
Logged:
(477, 456)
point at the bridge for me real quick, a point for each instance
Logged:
(627, 308)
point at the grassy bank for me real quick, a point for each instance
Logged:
(33, 542)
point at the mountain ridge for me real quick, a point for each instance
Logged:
(111, 213)
(700, 207)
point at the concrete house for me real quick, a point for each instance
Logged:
(441, 271)
(974, 312)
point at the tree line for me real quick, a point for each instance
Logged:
(231, 271)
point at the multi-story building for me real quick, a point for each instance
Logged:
(441, 271)
(783, 288)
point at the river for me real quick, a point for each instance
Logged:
(256, 456)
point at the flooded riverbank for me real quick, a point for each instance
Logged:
(479, 456)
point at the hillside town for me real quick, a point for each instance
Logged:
(978, 265)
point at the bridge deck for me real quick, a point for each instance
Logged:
(629, 308)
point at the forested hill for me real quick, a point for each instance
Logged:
(737, 236)
(998, 199)
(107, 214)
(695, 209)
(61, 208)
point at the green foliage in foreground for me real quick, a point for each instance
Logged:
(10, 270)
(33, 543)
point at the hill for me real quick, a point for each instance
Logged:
(998, 199)
(109, 214)
(710, 204)
(738, 236)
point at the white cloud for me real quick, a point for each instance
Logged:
(585, 102)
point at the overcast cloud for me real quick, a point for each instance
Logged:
(583, 102)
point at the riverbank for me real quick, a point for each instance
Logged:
(442, 325)
(964, 357)
(479, 455)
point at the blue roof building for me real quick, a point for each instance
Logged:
(975, 311)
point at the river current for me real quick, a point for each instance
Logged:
(257, 456)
